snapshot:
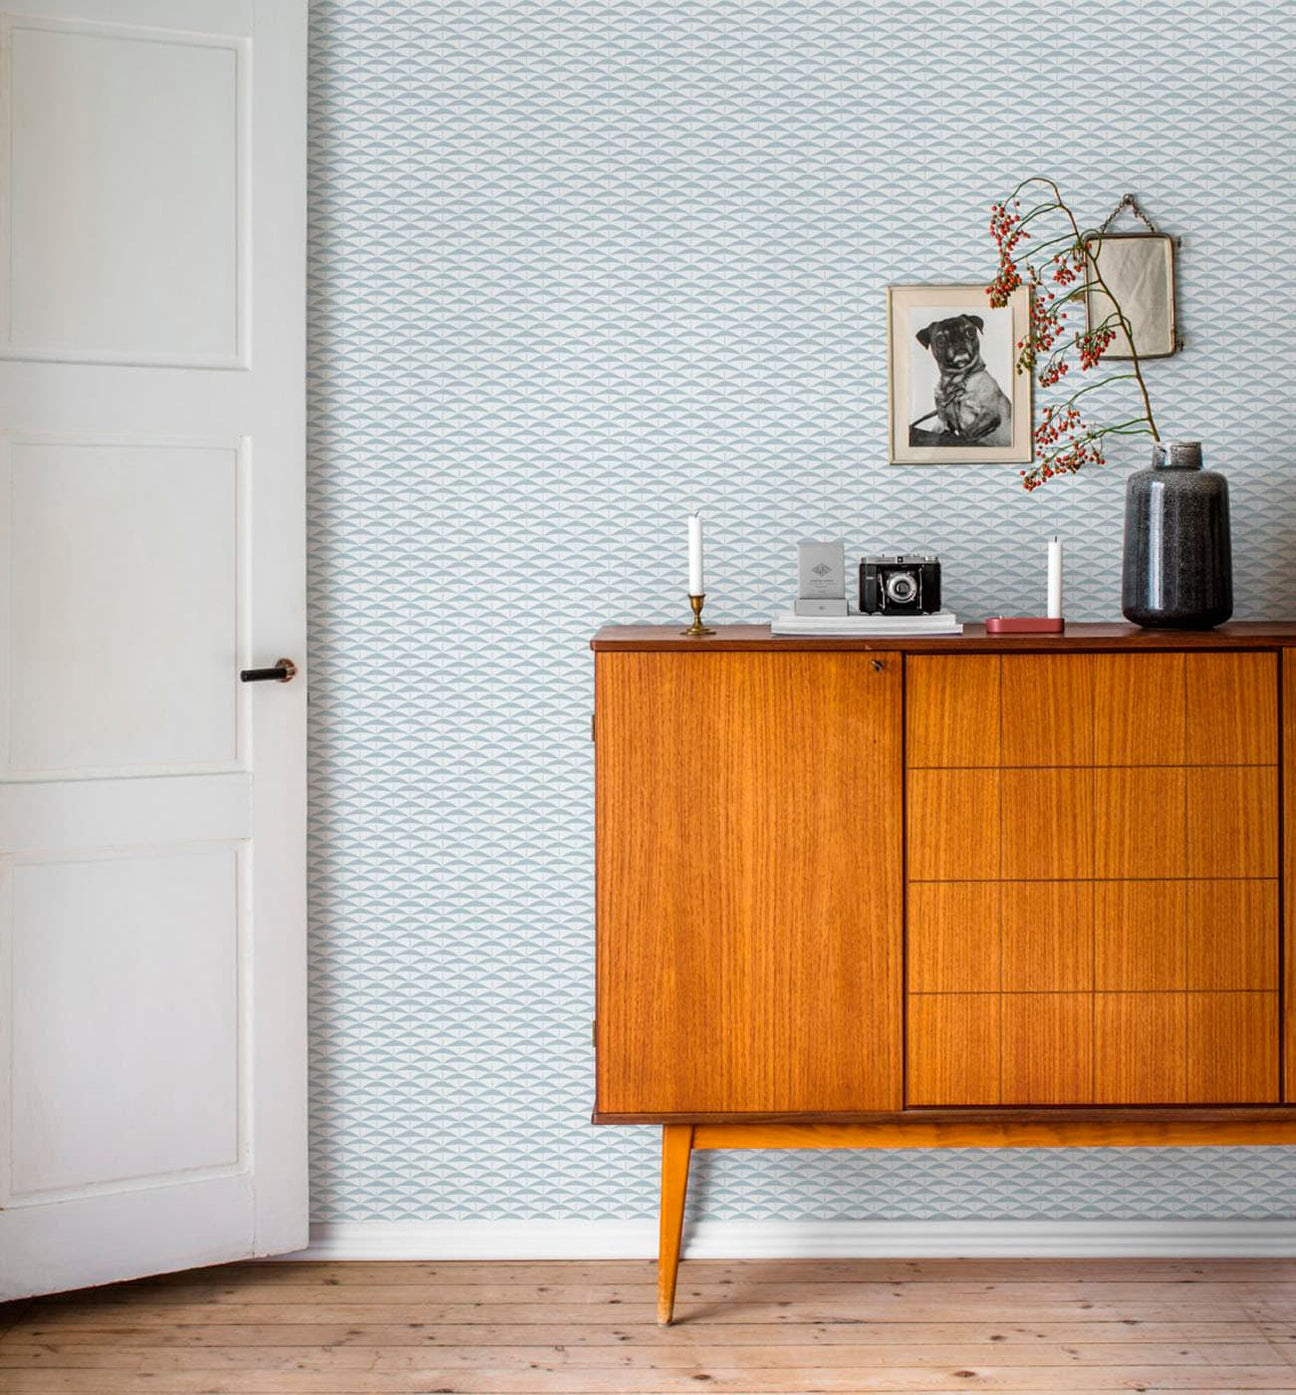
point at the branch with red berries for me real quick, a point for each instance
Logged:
(1064, 440)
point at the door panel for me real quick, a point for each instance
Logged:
(142, 953)
(749, 883)
(91, 528)
(127, 165)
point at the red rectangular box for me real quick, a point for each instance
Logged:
(1024, 625)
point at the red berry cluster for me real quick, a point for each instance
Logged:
(1094, 344)
(1063, 271)
(1066, 445)
(1007, 231)
(1075, 456)
(1056, 422)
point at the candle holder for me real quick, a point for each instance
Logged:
(697, 629)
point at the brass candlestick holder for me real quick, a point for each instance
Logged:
(697, 629)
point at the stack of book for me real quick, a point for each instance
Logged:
(942, 622)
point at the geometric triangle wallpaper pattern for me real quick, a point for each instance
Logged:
(577, 264)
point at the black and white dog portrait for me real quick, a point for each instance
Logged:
(969, 408)
(956, 396)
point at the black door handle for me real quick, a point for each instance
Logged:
(284, 671)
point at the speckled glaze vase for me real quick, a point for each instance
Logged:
(1178, 569)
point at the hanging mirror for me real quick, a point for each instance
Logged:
(1139, 269)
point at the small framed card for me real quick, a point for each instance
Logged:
(821, 570)
(821, 578)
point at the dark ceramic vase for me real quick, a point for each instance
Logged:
(1178, 569)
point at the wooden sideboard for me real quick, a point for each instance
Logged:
(993, 890)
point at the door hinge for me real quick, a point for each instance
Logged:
(592, 719)
(594, 1030)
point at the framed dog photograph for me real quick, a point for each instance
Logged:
(956, 397)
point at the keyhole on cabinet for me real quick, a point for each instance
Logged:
(878, 665)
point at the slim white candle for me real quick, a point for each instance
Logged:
(1055, 579)
(696, 587)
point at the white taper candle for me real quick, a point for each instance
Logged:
(1055, 579)
(696, 588)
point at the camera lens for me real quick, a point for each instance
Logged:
(901, 587)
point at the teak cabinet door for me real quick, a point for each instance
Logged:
(750, 882)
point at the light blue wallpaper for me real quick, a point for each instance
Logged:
(576, 264)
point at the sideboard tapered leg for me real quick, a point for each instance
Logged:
(677, 1146)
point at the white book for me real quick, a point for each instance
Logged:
(943, 622)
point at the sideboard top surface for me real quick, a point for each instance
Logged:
(1243, 634)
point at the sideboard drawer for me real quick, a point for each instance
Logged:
(1106, 823)
(1003, 711)
(1092, 1049)
(1106, 937)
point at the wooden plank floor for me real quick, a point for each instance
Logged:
(754, 1325)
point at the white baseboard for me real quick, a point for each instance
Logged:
(802, 1239)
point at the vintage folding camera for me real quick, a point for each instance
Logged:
(900, 583)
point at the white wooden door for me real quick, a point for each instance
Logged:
(152, 807)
